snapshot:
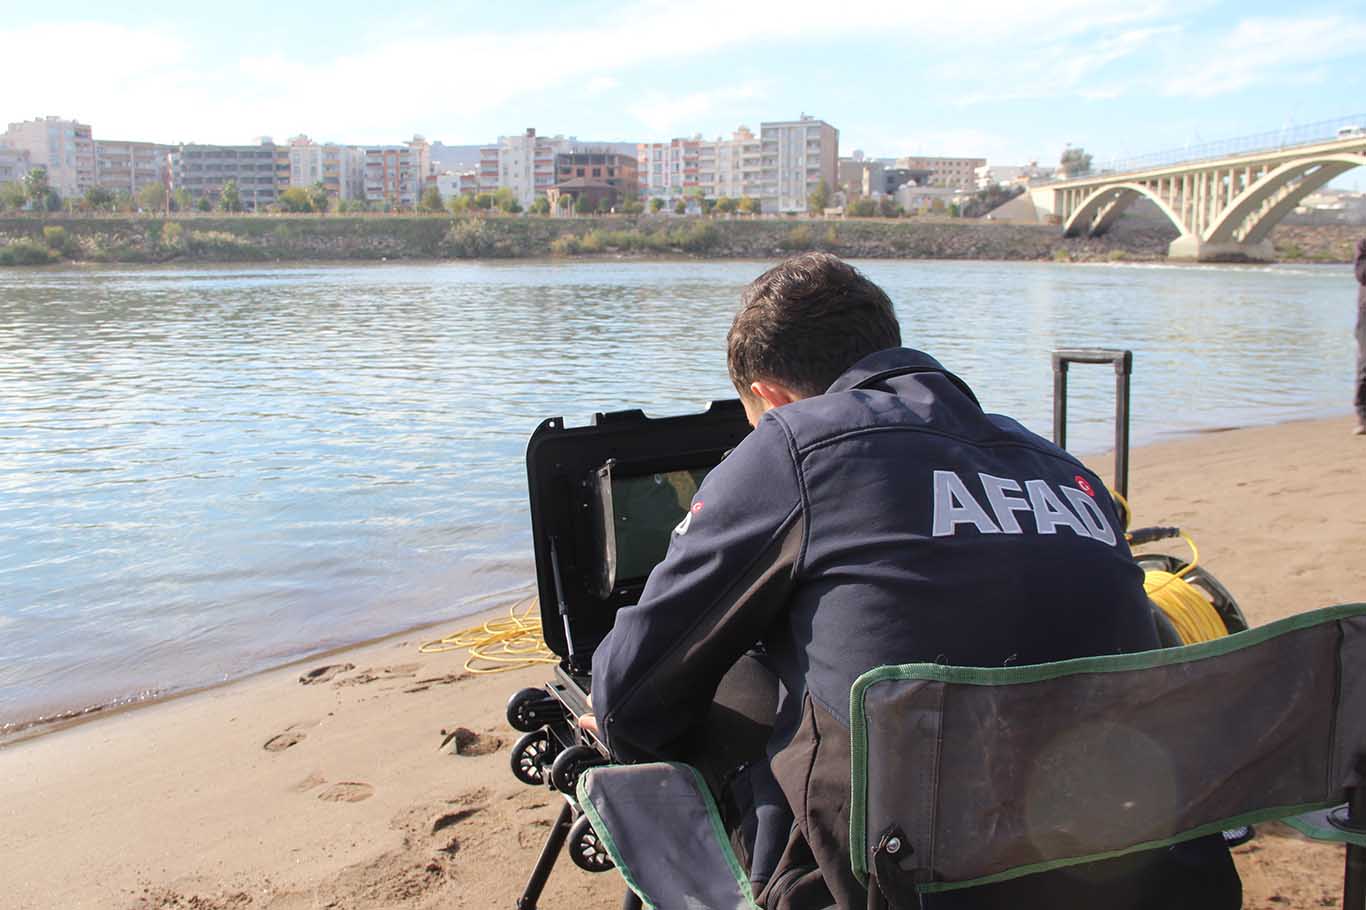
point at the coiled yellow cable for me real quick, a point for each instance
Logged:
(499, 645)
(1190, 612)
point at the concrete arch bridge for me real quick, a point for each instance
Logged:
(1224, 208)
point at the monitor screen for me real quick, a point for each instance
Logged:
(645, 510)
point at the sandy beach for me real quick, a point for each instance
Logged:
(336, 793)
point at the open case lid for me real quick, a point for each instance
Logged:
(588, 565)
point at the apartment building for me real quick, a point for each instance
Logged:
(797, 156)
(14, 165)
(396, 175)
(957, 173)
(597, 175)
(524, 164)
(1011, 175)
(451, 184)
(339, 168)
(63, 147)
(261, 171)
(780, 167)
(668, 170)
(129, 167)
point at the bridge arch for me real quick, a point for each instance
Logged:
(1280, 188)
(1098, 212)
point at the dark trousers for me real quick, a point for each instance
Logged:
(1360, 399)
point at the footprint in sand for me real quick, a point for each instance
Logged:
(282, 741)
(314, 779)
(377, 674)
(324, 673)
(464, 741)
(348, 791)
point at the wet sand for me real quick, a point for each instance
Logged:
(336, 793)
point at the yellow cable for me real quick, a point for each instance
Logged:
(1189, 610)
(499, 645)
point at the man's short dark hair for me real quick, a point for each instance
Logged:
(805, 322)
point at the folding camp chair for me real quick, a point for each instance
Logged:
(965, 776)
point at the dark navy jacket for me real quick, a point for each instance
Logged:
(887, 521)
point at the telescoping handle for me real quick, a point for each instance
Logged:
(1124, 366)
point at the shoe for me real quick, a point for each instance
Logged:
(1360, 430)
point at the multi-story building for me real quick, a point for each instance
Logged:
(64, 148)
(958, 173)
(451, 184)
(339, 168)
(14, 164)
(671, 169)
(524, 164)
(395, 175)
(261, 171)
(597, 175)
(131, 166)
(732, 167)
(797, 156)
(1011, 175)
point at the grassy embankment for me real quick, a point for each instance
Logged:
(247, 238)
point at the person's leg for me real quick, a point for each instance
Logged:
(1360, 398)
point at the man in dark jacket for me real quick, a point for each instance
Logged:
(877, 515)
(1360, 399)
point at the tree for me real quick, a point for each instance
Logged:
(37, 188)
(583, 205)
(318, 199)
(887, 207)
(748, 205)
(567, 203)
(1075, 162)
(123, 201)
(505, 199)
(605, 205)
(483, 201)
(229, 199)
(726, 205)
(990, 198)
(819, 200)
(656, 204)
(540, 206)
(13, 197)
(863, 207)
(431, 201)
(633, 207)
(295, 199)
(204, 204)
(460, 203)
(97, 197)
(181, 200)
(680, 207)
(153, 197)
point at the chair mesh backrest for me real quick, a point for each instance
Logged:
(994, 773)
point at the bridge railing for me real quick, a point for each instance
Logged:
(1275, 140)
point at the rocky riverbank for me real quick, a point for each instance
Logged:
(35, 241)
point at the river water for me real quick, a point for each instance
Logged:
(205, 472)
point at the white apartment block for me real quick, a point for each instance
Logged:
(524, 164)
(14, 165)
(668, 170)
(781, 167)
(63, 147)
(797, 156)
(130, 167)
(339, 168)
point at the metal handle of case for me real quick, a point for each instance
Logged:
(1124, 366)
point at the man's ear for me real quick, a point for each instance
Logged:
(775, 394)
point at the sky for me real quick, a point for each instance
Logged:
(1008, 81)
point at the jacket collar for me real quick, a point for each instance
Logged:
(876, 369)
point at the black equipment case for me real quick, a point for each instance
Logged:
(604, 501)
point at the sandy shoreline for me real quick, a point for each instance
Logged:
(267, 793)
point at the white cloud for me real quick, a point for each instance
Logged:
(599, 84)
(667, 115)
(1267, 50)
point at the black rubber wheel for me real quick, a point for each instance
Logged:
(527, 709)
(531, 757)
(586, 848)
(564, 773)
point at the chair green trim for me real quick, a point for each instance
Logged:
(1004, 676)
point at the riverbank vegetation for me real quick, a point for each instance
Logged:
(31, 239)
